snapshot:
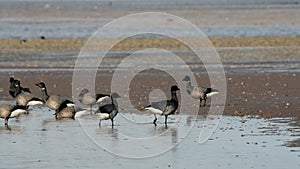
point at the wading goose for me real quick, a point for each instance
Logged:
(13, 88)
(69, 112)
(165, 107)
(109, 111)
(53, 102)
(87, 98)
(23, 97)
(10, 111)
(199, 92)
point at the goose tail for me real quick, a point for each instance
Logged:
(212, 92)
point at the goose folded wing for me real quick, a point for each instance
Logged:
(101, 97)
(160, 105)
(107, 108)
(25, 90)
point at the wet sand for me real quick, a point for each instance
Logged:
(263, 94)
(268, 88)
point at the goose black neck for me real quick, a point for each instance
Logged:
(189, 87)
(174, 96)
(18, 90)
(114, 102)
(45, 94)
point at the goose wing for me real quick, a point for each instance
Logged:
(159, 107)
(88, 99)
(23, 98)
(25, 90)
(108, 108)
(101, 97)
(56, 102)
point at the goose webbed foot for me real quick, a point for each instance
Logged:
(6, 125)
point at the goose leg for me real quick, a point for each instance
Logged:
(100, 123)
(112, 123)
(166, 117)
(204, 102)
(8, 128)
(6, 122)
(155, 119)
(200, 102)
(27, 112)
(91, 111)
(55, 114)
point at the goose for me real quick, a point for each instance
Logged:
(109, 111)
(13, 87)
(86, 98)
(54, 101)
(165, 107)
(69, 112)
(10, 111)
(199, 92)
(22, 95)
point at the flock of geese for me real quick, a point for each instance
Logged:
(107, 104)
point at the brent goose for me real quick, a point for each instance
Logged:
(109, 111)
(165, 107)
(13, 87)
(22, 95)
(9, 111)
(69, 112)
(54, 101)
(86, 98)
(199, 92)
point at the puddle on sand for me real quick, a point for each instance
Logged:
(37, 140)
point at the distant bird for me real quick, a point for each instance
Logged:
(199, 92)
(87, 98)
(53, 102)
(23, 41)
(109, 111)
(22, 95)
(165, 107)
(10, 111)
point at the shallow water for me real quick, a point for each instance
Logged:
(65, 22)
(38, 140)
(85, 29)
